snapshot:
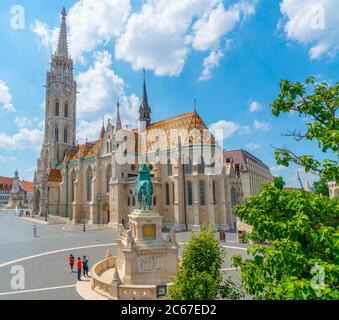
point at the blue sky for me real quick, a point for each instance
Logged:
(229, 55)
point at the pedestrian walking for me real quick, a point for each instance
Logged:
(71, 262)
(79, 267)
(35, 229)
(85, 266)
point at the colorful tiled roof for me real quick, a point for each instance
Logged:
(188, 121)
(54, 175)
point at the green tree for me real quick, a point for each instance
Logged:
(301, 254)
(320, 108)
(279, 182)
(321, 187)
(199, 276)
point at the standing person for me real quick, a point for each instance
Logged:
(35, 231)
(71, 262)
(79, 267)
(85, 266)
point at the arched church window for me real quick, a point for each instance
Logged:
(108, 177)
(233, 196)
(89, 183)
(189, 166)
(57, 109)
(66, 111)
(167, 194)
(65, 136)
(202, 192)
(214, 194)
(201, 166)
(56, 134)
(169, 168)
(189, 193)
(154, 201)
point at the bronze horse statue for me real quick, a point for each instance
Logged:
(144, 188)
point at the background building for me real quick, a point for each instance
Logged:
(333, 189)
(252, 171)
(15, 193)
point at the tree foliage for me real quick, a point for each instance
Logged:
(321, 187)
(319, 103)
(302, 230)
(279, 182)
(301, 257)
(199, 276)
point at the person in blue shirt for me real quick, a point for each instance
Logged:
(85, 266)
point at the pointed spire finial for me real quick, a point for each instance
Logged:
(118, 125)
(145, 110)
(195, 105)
(63, 13)
(62, 48)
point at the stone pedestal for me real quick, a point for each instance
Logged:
(143, 256)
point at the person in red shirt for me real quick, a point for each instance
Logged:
(71, 262)
(79, 267)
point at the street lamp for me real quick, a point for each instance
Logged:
(47, 206)
(84, 218)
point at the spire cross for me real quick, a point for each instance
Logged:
(195, 105)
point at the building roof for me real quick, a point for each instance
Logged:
(6, 184)
(189, 121)
(28, 186)
(54, 175)
(241, 157)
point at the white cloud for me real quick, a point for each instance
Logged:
(278, 168)
(254, 106)
(23, 122)
(210, 62)
(214, 24)
(95, 22)
(253, 146)
(5, 159)
(227, 128)
(99, 87)
(6, 98)
(24, 139)
(160, 36)
(314, 23)
(48, 37)
(262, 126)
(91, 23)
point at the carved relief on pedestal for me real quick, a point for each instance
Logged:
(151, 263)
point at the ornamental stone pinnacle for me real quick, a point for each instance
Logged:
(62, 48)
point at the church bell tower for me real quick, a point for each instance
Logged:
(60, 109)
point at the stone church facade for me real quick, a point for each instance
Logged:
(94, 182)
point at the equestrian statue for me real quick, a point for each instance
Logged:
(144, 188)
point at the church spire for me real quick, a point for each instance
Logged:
(118, 125)
(145, 110)
(62, 48)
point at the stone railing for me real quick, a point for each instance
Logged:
(124, 292)
(97, 283)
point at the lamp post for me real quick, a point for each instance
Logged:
(47, 205)
(84, 218)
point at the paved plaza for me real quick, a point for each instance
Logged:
(45, 259)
